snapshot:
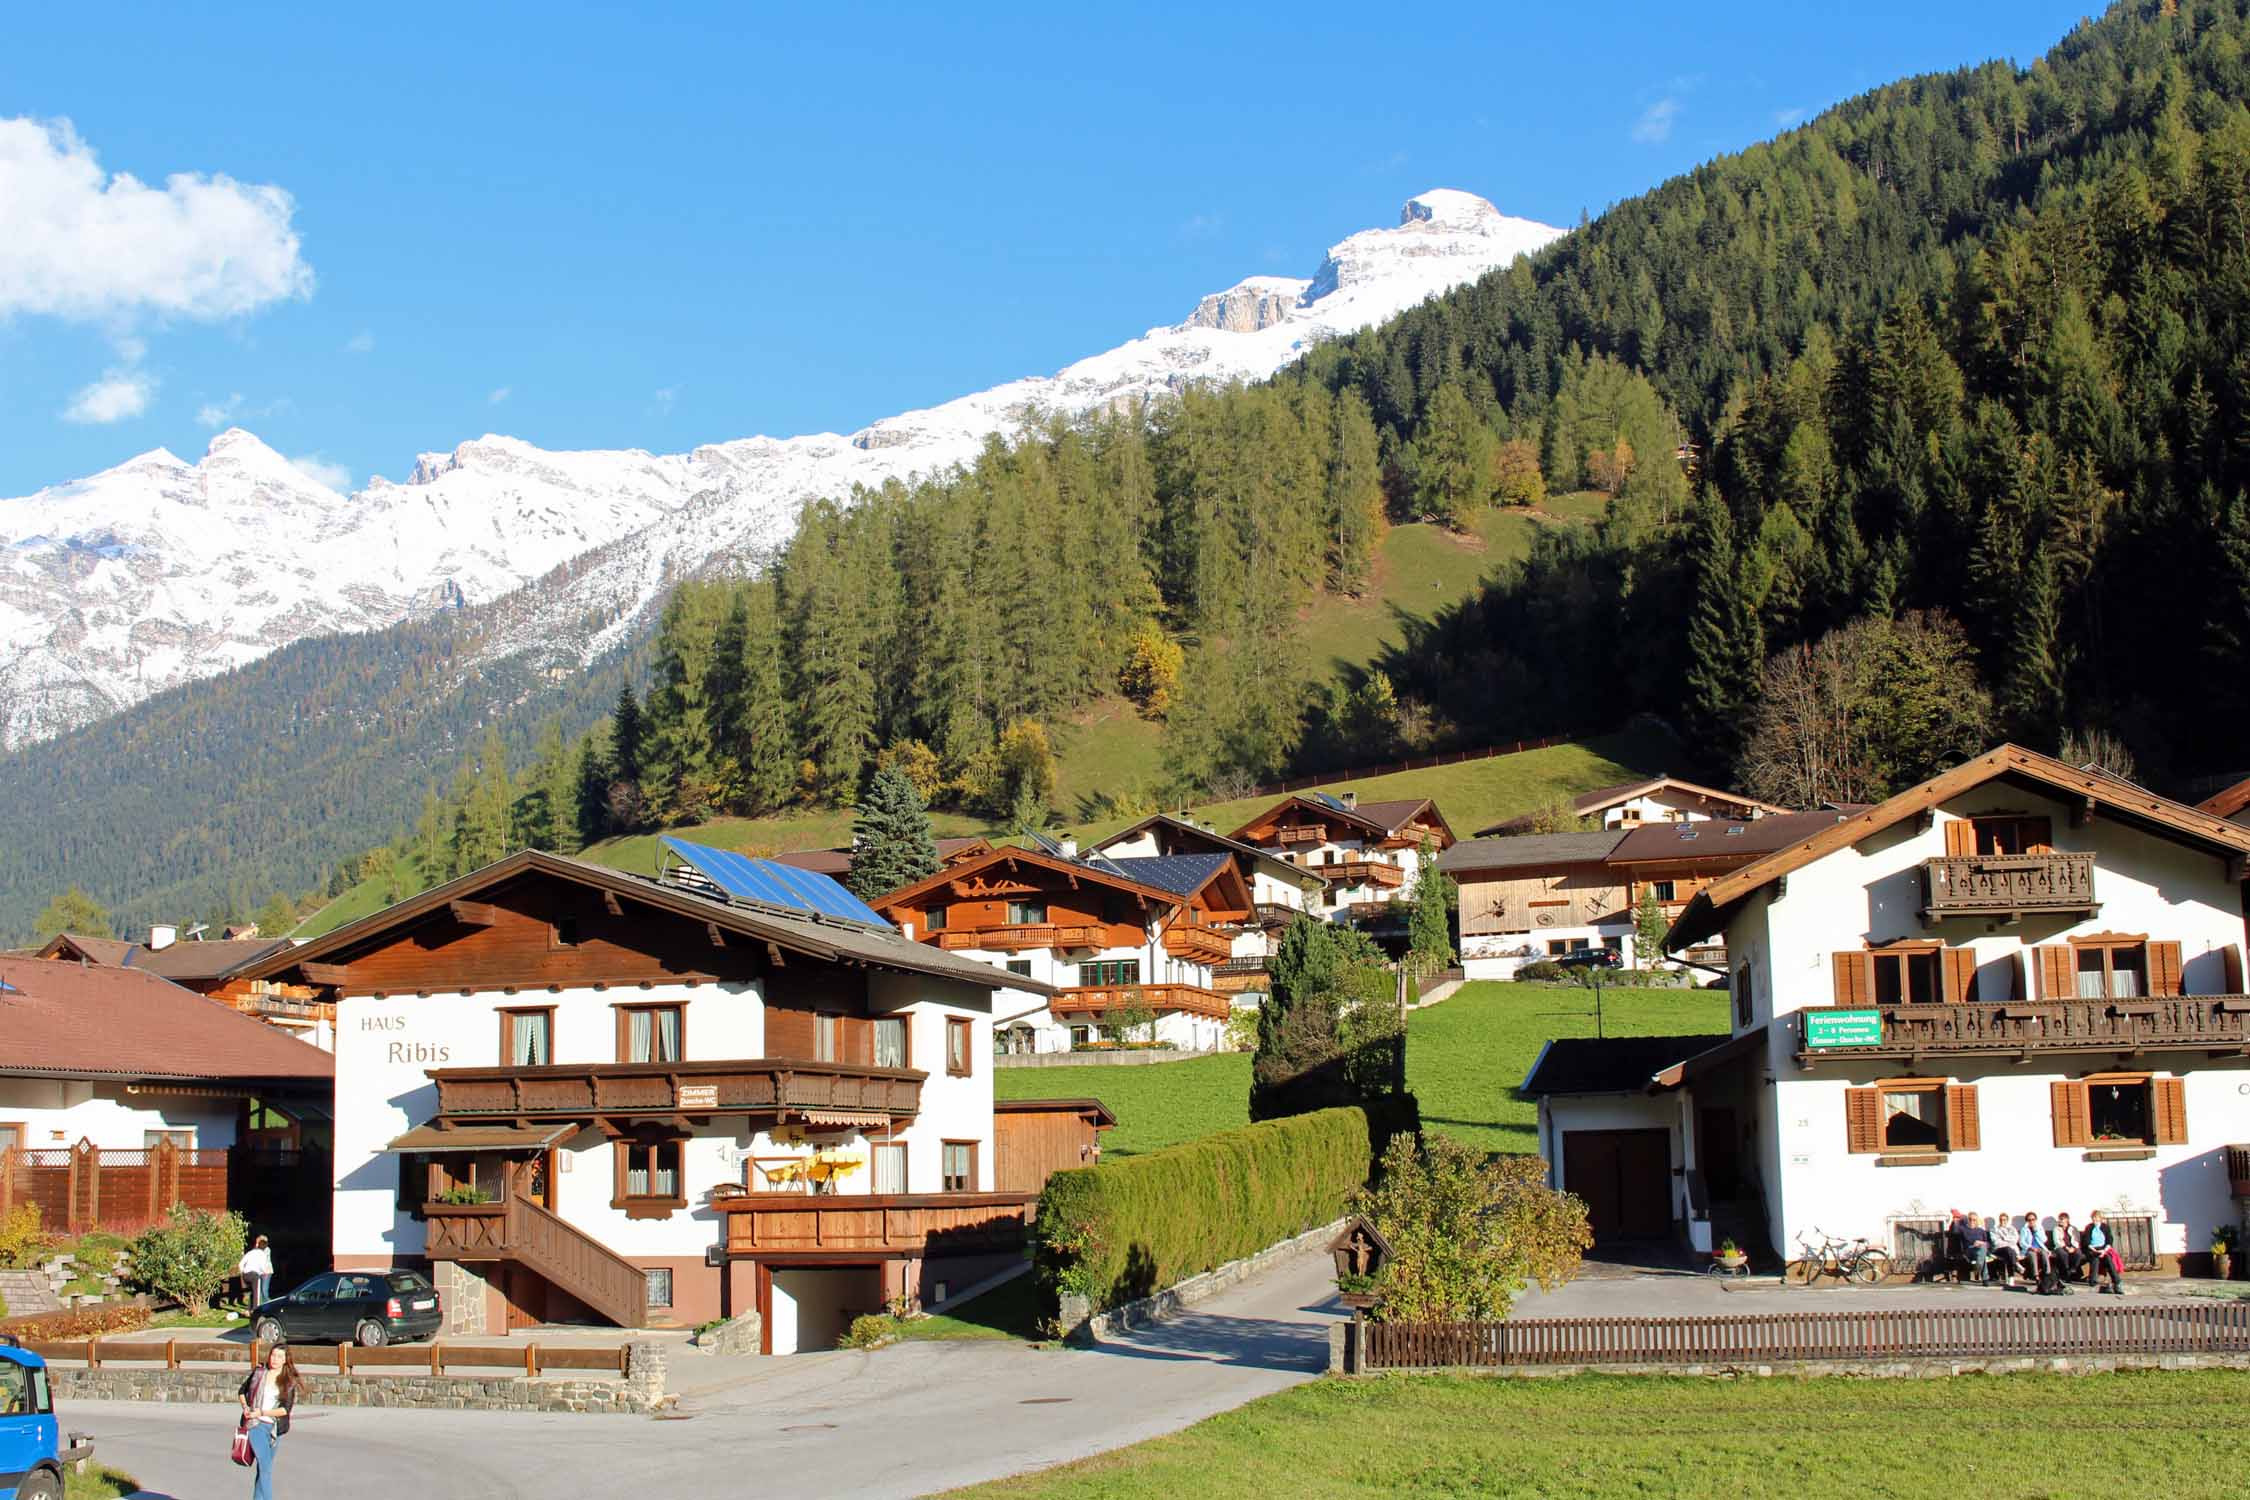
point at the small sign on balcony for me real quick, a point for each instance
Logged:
(698, 1096)
(1843, 1028)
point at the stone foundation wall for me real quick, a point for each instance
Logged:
(1081, 1326)
(640, 1390)
(464, 1296)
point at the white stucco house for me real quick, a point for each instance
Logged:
(2015, 987)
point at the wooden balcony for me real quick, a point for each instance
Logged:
(520, 1231)
(1275, 913)
(1239, 974)
(770, 1225)
(2219, 1024)
(1095, 1000)
(2238, 1170)
(1013, 939)
(1200, 944)
(2003, 887)
(1312, 835)
(786, 1088)
(1363, 872)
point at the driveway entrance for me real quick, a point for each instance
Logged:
(1625, 1176)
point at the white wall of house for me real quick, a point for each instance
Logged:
(1496, 955)
(1782, 948)
(56, 1113)
(1053, 1032)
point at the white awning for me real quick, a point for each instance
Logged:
(482, 1138)
(846, 1117)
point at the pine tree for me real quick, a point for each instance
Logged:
(1649, 927)
(590, 792)
(891, 841)
(627, 731)
(726, 702)
(1355, 495)
(768, 754)
(1726, 644)
(1429, 927)
(480, 822)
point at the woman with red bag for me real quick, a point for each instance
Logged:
(269, 1395)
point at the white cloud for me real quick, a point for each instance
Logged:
(666, 396)
(85, 245)
(1655, 124)
(361, 342)
(500, 395)
(119, 394)
(1784, 118)
(218, 413)
(314, 467)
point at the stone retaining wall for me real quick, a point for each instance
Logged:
(1084, 1326)
(641, 1389)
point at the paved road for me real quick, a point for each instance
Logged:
(901, 1421)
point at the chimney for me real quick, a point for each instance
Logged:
(1349, 799)
(163, 935)
(1069, 846)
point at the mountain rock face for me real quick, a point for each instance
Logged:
(159, 571)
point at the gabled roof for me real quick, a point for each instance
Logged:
(1601, 799)
(1093, 1109)
(2097, 791)
(2232, 804)
(838, 862)
(1707, 839)
(1196, 832)
(189, 961)
(83, 1020)
(1386, 817)
(1611, 1065)
(838, 942)
(1012, 857)
(1529, 851)
(1181, 874)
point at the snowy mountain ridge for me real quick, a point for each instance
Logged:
(159, 571)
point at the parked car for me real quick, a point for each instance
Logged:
(32, 1453)
(1591, 958)
(362, 1307)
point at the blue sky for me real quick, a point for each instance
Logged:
(591, 230)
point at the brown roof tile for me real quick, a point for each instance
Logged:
(74, 1019)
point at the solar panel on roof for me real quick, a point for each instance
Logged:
(1048, 846)
(771, 883)
(1327, 801)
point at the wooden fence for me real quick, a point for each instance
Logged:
(2181, 1327)
(82, 1187)
(434, 1358)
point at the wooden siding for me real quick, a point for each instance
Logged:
(1031, 1146)
(1575, 895)
(783, 1224)
(585, 1091)
(1094, 1000)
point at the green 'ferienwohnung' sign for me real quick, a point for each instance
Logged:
(1843, 1028)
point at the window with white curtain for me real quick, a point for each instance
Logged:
(530, 1037)
(652, 1034)
(890, 1167)
(890, 1043)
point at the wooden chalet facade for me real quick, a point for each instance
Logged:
(1107, 936)
(579, 1093)
(1279, 891)
(1369, 853)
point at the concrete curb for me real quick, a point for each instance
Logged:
(1087, 1328)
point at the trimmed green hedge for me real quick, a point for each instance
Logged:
(1120, 1230)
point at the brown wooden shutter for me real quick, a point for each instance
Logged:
(1960, 837)
(2017, 988)
(2232, 959)
(1855, 979)
(1863, 1120)
(2168, 1100)
(1959, 966)
(2164, 968)
(1963, 1127)
(2073, 1124)
(2058, 972)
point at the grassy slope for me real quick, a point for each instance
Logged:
(1464, 1058)
(1592, 1438)
(1419, 570)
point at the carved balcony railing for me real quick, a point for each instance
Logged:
(1198, 943)
(1239, 974)
(781, 1224)
(1018, 936)
(2238, 1170)
(787, 1088)
(1364, 872)
(2220, 1023)
(2007, 885)
(1286, 836)
(1099, 999)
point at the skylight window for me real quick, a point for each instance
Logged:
(1687, 833)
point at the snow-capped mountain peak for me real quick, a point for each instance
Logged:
(158, 571)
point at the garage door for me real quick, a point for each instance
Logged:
(1625, 1176)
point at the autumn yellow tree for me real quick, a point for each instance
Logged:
(1151, 674)
(1516, 478)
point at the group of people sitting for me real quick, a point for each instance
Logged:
(2021, 1252)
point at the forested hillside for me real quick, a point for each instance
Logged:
(1919, 425)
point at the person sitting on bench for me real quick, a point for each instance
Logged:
(2065, 1242)
(2038, 1261)
(2099, 1247)
(2005, 1251)
(1976, 1249)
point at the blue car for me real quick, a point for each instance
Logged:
(31, 1451)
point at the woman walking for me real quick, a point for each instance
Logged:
(256, 1271)
(268, 1397)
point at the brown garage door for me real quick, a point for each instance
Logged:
(1625, 1176)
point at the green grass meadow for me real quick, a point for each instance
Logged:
(2013, 1437)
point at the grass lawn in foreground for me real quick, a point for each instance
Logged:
(99, 1482)
(1157, 1105)
(1008, 1311)
(1465, 1055)
(2012, 1437)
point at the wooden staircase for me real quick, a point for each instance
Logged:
(522, 1233)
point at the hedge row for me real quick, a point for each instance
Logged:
(78, 1322)
(1123, 1229)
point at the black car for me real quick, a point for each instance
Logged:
(1591, 958)
(362, 1307)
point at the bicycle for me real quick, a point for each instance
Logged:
(1847, 1260)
